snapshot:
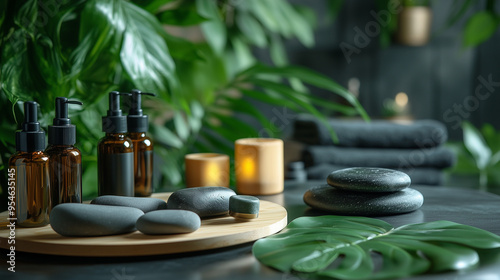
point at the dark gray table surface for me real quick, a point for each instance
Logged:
(464, 206)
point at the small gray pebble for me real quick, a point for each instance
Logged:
(76, 219)
(341, 202)
(168, 222)
(244, 206)
(368, 179)
(146, 204)
(204, 201)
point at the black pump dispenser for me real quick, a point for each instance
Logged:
(136, 121)
(114, 122)
(62, 132)
(31, 138)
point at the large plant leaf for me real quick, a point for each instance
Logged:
(344, 248)
(479, 28)
(476, 145)
(310, 77)
(214, 28)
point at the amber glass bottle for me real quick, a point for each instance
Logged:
(65, 159)
(115, 153)
(143, 163)
(30, 167)
(137, 124)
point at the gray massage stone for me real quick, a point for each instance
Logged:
(244, 206)
(168, 222)
(204, 201)
(76, 219)
(146, 204)
(339, 202)
(366, 179)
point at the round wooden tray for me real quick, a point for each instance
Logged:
(214, 233)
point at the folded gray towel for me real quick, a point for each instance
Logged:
(419, 175)
(439, 157)
(376, 134)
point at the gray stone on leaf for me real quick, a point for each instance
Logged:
(204, 201)
(367, 179)
(244, 206)
(341, 202)
(168, 222)
(146, 204)
(76, 219)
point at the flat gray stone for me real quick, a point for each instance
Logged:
(76, 219)
(367, 179)
(341, 202)
(204, 201)
(168, 222)
(146, 204)
(244, 206)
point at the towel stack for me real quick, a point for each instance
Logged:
(414, 148)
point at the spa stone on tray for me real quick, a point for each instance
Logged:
(168, 222)
(75, 219)
(365, 179)
(146, 204)
(341, 202)
(204, 201)
(244, 206)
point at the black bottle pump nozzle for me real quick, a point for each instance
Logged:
(62, 132)
(114, 122)
(31, 138)
(136, 121)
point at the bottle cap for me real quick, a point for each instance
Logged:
(136, 121)
(31, 138)
(62, 132)
(114, 122)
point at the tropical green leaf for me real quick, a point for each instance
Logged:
(214, 28)
(309, 246)
(309, 77)
(479, 28)
(166, 137)
(3, 9)
(476, 145)
(334, 7)
(252, 29)
(457, 12)
(144, 54)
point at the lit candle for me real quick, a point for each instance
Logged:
(207, 169)
(259, 166)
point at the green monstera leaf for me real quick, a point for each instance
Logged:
(348, 248)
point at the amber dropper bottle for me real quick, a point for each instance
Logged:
(137, 124)
(65, 159)
(30, 168)
(115, 153)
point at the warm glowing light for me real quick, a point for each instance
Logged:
(207, 169)
(401, 99)
(258, 164)
(212, 174)
(247, 168)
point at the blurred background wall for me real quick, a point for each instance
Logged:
(439, 77)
